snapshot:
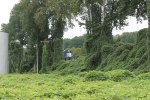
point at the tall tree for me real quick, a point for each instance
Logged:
(31, 22)
(148, 32)
(102, 17)
(62, 13)
(17, 39)
(35, 24)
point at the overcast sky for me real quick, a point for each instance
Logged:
(7, 5)
(5, 9)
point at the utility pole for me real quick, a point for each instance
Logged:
(37, 59)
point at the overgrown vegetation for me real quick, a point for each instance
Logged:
(105, 68)
(93, 85)
(123, 54)
(35, 23)
(70, 67)
(127, 55)
(76, 42)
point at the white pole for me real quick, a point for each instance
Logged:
(4, 69)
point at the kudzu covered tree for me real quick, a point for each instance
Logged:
(148, 32)
(101, 17)
(34, 20)
(62, 13)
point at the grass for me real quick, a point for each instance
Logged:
(71, 87)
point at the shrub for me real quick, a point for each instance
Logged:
(93, 60)
(118, 51)
(59, 65)
(119, 75)
(124, 55)
(144, 76)
(69, 67)
(116, 97)
(106, 50)
(140, 52)
(69, 80)
(45, 58)
(83, 74)
(141, 35)
(96, 76)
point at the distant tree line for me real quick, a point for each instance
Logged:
(76, 42)
(126, 38)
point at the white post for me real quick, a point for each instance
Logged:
(4, 69)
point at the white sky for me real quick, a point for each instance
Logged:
(5, 9)
(7, 5)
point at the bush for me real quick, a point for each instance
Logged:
(119, 75)
(116, 97)
(123, 55)
(140, 52)
(96, 76)
(59, 65)
(106, 50)
(118, 51)
(93, 60)
(83, 74)
(69, 80)
(141, 35)
(145, 76)
(69, 67)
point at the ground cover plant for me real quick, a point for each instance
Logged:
(101, 68)
(54, 86)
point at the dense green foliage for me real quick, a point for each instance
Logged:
(36, 29)
(100, 24)
(36, 22)
(148, 31)
(126, 38)
(45, 58)
(73, 87)
(119, 75)
(125, 55)
(76, 42)
(75, 45)
(31, 23)
(69, 67)
(96, 76)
